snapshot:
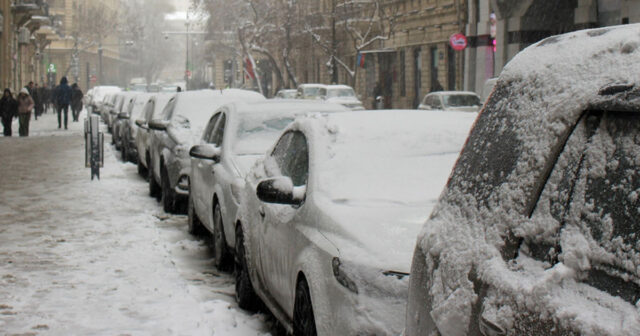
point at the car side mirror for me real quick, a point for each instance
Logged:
(141, 123)
(158, 125)
(280, 190)
(123, 115)
(205, 152)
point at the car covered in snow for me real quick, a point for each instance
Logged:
(537, 232)
(328, 218)
(120, 114)
(343, 95)
(236, 136)
(286, 94)
(152, 110)
(310, 91)
(97, 97)
(129, 129)
(181, 125)
(451, 101)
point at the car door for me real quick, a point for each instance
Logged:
(211, 171)
(291, 159)
(159, 139)
(200, 169)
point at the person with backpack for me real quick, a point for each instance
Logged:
(63, 94)
(25, 106)
(76, 101)
(8, 111)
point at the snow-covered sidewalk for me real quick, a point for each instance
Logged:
(99, 258)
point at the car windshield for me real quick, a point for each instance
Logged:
(346, 92)
(312, 91)
(256, 132)
(287, 94)
(461, 100)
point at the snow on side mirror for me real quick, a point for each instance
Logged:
(123, 115)
(280, 190)
(205, 152)
(140, 123)
(158, 125)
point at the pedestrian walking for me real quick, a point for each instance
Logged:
(62, 96)
(25, 106)
(46, 97)
(76, 101)
(37, 100)
(8, 111)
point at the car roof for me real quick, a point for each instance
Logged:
(311, 85)
(443, 93)
(286, 105)
(339, 86)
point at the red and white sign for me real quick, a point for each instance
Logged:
(458, 42)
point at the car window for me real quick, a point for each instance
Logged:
(218, 132)
(291, 156)
(167, 112)
(211, 126)
(435, 102)
(149, 112)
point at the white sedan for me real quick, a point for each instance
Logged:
(330, 216)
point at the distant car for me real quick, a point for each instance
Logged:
(310, 91)
(106, 106)
(538, 230)
(98, 94)
(129, 130)
(327, 216)
(451, 101)
(343, 95)
(286, 94)
(236, 136)
(120, 115)
(183, 120)
(152, 110)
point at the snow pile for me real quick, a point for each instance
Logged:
(537, 101)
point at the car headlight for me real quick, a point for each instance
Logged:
(342, 277)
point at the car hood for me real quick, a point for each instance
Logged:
(378, 234)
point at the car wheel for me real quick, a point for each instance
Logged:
(195, 225)
(304, 323)
(221, 253)
(168, 198)
(154, 188)
(245, 294)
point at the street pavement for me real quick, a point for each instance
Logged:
(82, 257)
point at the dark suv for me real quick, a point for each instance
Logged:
(537, 231)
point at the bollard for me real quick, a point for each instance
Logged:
(94, 146)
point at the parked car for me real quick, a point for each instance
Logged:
(181, 125)
(309, 91)
(537, 232)
(451, 101)
(106, 106)
(129, 129)
(152, 110)
(286, 94)
(119, 115)
(326, 217)
(236, 136)
(343, 95)
(98, 94)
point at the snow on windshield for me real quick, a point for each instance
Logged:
(332, 93)
(460, 100)
(390, 156)
(256, 132)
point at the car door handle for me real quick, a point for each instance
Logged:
(261, 212)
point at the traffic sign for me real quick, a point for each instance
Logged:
(52, 68)
(458, 41)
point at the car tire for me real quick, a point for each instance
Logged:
(245, 294)
(154, 187)
(168, 197)
(195, 226)
(304, 323)
(222, 256)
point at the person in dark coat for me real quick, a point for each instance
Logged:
(63, 94)
(37, 100)
(76, 101)
(8, 111)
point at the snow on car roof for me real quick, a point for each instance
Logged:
(311, 85)
(453, 93)
(339, 86)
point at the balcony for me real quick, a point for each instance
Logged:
(33, 12)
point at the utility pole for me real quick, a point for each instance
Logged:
(100, 74)
(186, 71)
(334, 44)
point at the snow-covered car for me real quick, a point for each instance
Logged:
(181, 126)
(119, 115)
(106, 106)
(152, 110)
(236, 136)
(537, 232)
(309, 91)
(286, 94)
(129, 129)
(451, 101)
(328, 217)
(98, 94)
(343, 95)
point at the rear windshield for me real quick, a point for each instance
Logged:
(461, 100)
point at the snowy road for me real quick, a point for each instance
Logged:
(100, 258)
